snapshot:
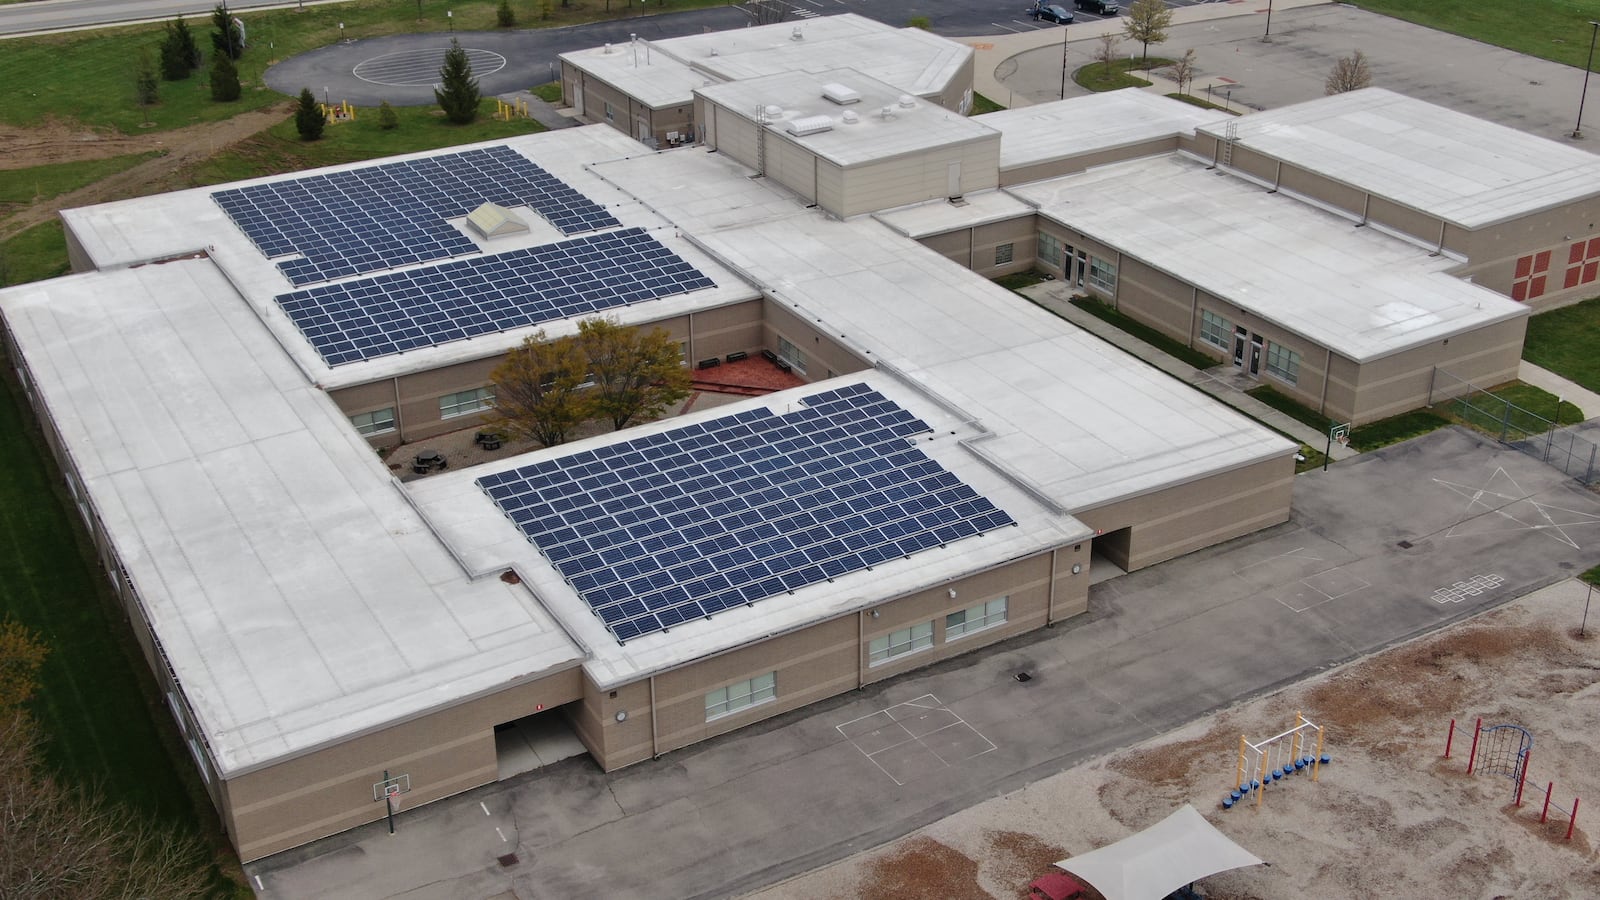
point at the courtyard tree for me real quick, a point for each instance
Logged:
(1147, 23)
(637, 374)
(147, 84)
(457, 92)
(1106, 53)
(308, 117)
(1350, 73)
(540, 390)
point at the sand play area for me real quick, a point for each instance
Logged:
(1388, 817)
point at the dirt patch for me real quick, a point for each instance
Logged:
(55, 142)
(1389, 816)
(923, 867)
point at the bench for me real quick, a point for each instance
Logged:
(769, 356)
(737, 355)
(711, 363)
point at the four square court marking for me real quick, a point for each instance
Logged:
(911, 739)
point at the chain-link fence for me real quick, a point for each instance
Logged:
(1527, 431)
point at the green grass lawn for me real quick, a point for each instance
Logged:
(1530, 411)
(1567, 341)
(1395, 429)
(1192, 100)
(24, 186)
(87, 76)
(97, 704)
(35, 254)
(1145, 333)
(1291, 407)
(982, 104)
(1016, 281)
(1098, 76)
(279, 148)
(1551, 29)
(549, 92)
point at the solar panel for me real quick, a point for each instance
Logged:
(681, 525)
(399, 311)
(386, 216)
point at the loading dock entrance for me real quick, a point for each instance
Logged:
(533, 742)
(1109, 554)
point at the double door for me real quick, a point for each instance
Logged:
(1247, 347)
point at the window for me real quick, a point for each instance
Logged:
(611, 113)
(975, 618)
(1532, 271)
(1003, 254)
(1283, 362)
(1583, 263)
(1049, 249)
(1102, 275)
(791, 354)
(899, 643)
(461, 404)
(1214, 329)
(737, 696)
(377, 422)
(1083, 266)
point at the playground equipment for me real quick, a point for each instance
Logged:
(338, 112)
(1266, 761)
(508, 111)
(1506, 750)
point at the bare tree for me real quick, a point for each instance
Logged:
(766, 12)
(1350, 73)
(539, 390)
(1183, 71)
(1147, 23)
(1107, 53)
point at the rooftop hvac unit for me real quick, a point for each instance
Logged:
(907, 101)
(809, 125)
(841, 94)
(849, 117)
(795, 35)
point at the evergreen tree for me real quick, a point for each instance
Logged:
(387, 119)
(504, 16)
(179, 55)
(226, 36)
(458, 90)
(224, 79)
(308, 117)
(145, 81)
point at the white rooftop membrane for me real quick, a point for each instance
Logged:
(1465, 170)
(1046, 132)
(1362, 292)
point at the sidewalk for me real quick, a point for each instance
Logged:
(993, 51)
(1054, 296)
(1571, 392)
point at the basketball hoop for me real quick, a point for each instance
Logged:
(392, 795)
(1343, 439)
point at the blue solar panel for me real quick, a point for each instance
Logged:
(684, 524)
(399, 311)
(390, 215)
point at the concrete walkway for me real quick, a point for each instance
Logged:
(1571, 392)
(1220, 383)
(994, 51)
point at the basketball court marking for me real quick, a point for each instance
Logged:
(1323, 587)
(414, 68)
(1515, 508)
(1472, 587)
(1297, 554)
(915, 738)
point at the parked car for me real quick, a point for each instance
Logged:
(1050, 12)
(1098, 7)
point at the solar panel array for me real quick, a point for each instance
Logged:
(386, 216)
(681, 525)
(399, 311)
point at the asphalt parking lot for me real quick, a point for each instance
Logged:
(1381, 548)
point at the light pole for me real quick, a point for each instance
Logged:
(1063, 62)
(1268, 36)
(1577, 130)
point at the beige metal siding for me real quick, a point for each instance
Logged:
(911, 179)
(823, 355)
(1394, 384)
(792, 166)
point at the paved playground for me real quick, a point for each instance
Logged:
(1483, 524)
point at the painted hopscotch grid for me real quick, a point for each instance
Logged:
(1472, 587)
(915, 738)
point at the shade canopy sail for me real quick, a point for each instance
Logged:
(1180, 849)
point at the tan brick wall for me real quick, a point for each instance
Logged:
(1485, 357)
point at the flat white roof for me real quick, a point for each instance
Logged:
(700, 189)
(119, 234)
(1359, 291)
(663, 73)
(884, 127)
(299, 597)
(1465, 170)
(931, 217)
(482, 535)
(1078, 419)
(1062, 129)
